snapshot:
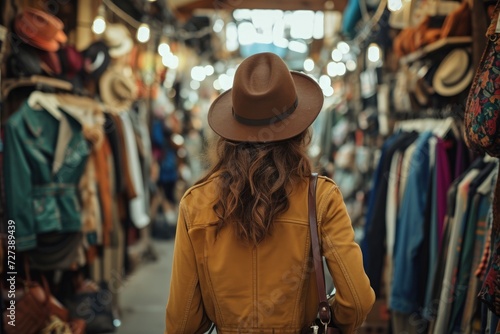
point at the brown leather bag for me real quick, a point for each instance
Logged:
(31, 311)
(323, 324)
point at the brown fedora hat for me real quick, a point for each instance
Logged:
(267, 102)
(40, 29)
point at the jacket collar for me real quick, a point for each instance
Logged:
(68, 137)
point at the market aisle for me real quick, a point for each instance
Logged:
(145, 293)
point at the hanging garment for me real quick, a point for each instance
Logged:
(375, 235)
(452, 258)
(42, 173)
(441, 182)
(462, 314)
(490, 291)
(410, 231)
(138, 210)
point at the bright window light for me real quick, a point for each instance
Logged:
(373, 53)
(242, 14)
(303, 24)
(319, 25)
(198, 73)
(297, 46)
(308, 64)
(194, 84)
(99, 25)
(341, 69)
(325, 81)
(343, 47)
(394, 5)
(143, 33)
(328, 91)
(216, 84)
(218, 25)
(232, 37)
(246, 33)
(163, 49)
(209, 70)
(331, 69)
(336, 55)
(225, 81)
(350, 65)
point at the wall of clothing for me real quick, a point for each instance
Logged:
(77, 182)
(75, 161)
(427, 227)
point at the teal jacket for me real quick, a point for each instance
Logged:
(43, 162)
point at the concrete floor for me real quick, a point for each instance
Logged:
(144, 295)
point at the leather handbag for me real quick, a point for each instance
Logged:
(482, 116)
(32, 309)
(323, 324)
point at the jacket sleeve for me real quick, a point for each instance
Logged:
(354, 296)
(185, 311)
(18, 189)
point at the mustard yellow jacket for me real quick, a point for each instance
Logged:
(269, 288)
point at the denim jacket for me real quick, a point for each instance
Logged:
(44, 160)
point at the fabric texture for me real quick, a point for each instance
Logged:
(490, 291)
(263, 288)
(138, 210)
(410, 232)
(482, 116)
(38, 199)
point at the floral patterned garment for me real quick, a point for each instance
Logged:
(482, 116)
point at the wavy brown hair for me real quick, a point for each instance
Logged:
(253, 182)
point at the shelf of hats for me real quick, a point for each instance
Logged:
(104, 113)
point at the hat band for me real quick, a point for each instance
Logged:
(267, 121)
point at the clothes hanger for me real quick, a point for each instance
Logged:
(47, 101)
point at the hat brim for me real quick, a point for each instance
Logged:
(46, 45)
(310, 101)
(444, 90)
(124, 48)
(106, 91)
(49, 46)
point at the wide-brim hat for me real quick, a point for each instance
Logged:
(96, 59)
(454, 74)
(117, 90)
(40, 29)
(117, 38)
(267, 103)
(422, 86)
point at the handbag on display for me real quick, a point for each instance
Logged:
(323, 324)
(32, 309)
(482, 116)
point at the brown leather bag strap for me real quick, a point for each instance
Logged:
(323, 307)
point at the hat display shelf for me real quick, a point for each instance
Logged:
(437, 47)
(435, 8)
(38, 81)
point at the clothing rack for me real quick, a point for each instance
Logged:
(448, 111)
(38, 81)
